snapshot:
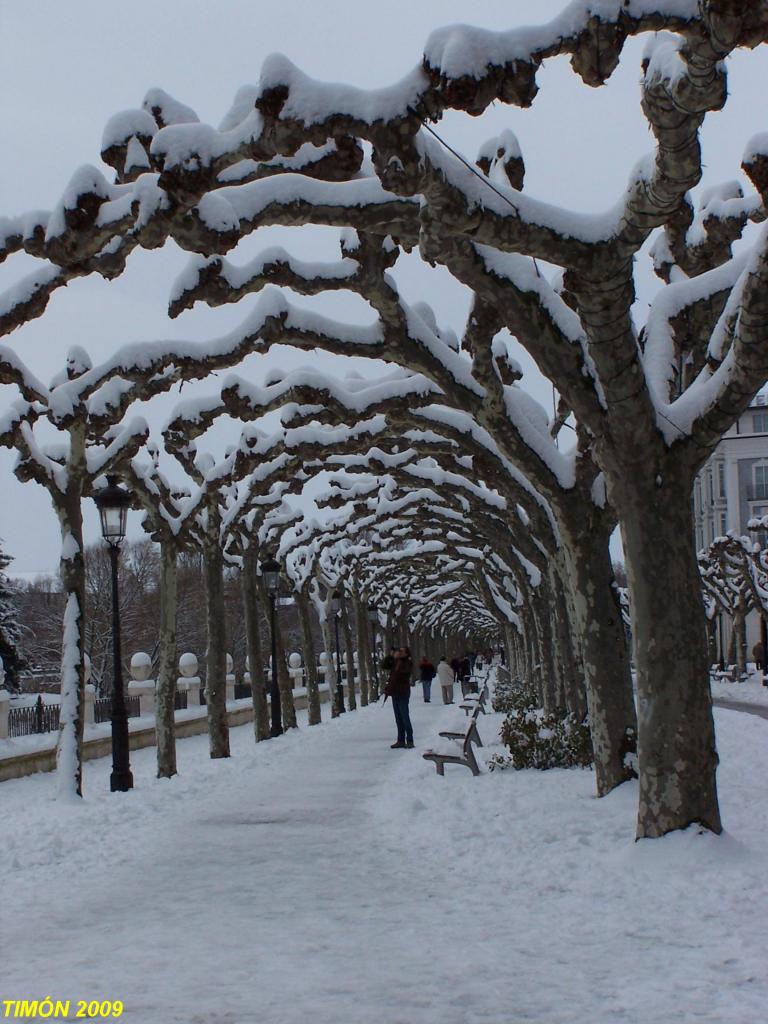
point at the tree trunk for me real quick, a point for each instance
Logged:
(167, 668)
(732, 641)
(349, 656)
(329, 676)
(676, 739)
(216, 654)
(549, 640)
(712, 639)
(405, 636)
(740, 632)
(363, 651)
(570, 668)
(512, 651)
(69, 748)
(287, 708)
(604, 654)
(253, 608)
(543, 680)
(375, 662)
(388, 636)
(417, 649)
(310, 667)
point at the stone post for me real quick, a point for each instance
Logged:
(90, 707)
(141, 685)
(323, 670)
(189, 680)
(90, 693)
(230, 695)
(295, 671)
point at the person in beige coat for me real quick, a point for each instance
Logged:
(445, 675)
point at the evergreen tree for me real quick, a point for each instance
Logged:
(10, 630)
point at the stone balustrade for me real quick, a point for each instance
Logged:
(141, 684)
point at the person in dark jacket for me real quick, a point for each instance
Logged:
(427, 674)
(758, 653)
(399, 689)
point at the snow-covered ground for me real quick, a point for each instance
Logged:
(324, 877)
(28, 700)
(748, 691)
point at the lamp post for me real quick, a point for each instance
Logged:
(336, 608)
(373, 618)
(720, 640)
(112, 502)
(270, 570)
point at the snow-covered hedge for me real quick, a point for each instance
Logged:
(539, 739)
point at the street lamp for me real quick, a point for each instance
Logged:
(720, 640)
(270, 570)
(336, 608)
(373, 618)
(112, 502)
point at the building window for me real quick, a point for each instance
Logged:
(760, 423)
(760, 478)
(723, 524)
(699, 538)
(721, 479)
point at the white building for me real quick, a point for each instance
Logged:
(732, 486)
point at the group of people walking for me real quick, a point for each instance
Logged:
(399, 664)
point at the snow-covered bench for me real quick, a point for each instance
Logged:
(467, 757)
(480, 700)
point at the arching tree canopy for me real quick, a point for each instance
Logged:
(458, 495)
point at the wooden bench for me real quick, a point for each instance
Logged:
(467, 757)
(479, 701)
(475, 680)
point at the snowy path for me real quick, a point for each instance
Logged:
(326, 878)
(739, 705)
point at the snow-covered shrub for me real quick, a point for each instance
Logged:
(539, 739)
(499, 762)
(507, 693)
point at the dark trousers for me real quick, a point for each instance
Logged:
(426, 687)
(403, 719)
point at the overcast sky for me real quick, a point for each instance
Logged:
(65, 68)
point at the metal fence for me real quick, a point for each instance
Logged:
(180, 700)
(102, 708)
(242, 690)
(36, 719)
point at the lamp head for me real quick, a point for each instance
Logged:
(270, 570)
(113, 503)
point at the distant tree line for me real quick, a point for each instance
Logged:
(34, 648)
